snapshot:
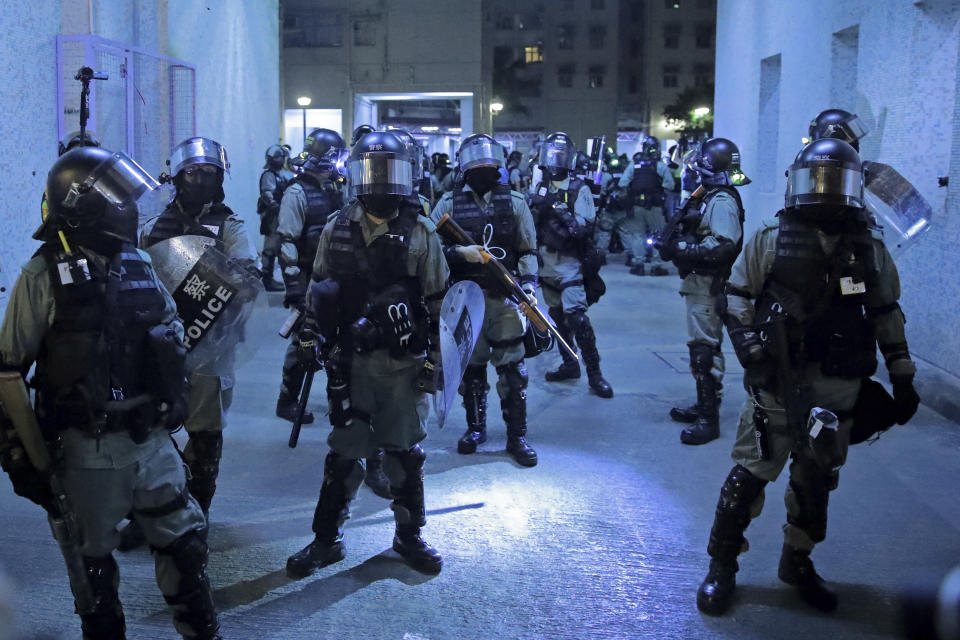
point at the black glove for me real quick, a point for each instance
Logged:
(309, 346)
(26, 481)
(905, 398)
(296, 291)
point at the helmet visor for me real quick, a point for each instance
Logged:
(380, 174)
(480, 153)
(198, 151)
(853, 129)
(120, 180)
(557, 156)
(824, 183)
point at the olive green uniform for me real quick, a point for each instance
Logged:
(641, 223)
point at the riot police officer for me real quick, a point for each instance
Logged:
(273, 181)
(384, 278)
(198, 166)
(646, 180)
(563, 210)
(89, 309)
(493, 214)
(358, 134)
(516, 179)
(809, 300)
(442, 176)
(307, 203)
(415, 152)
(704, 244)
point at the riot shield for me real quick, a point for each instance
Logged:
(221, 304)
(461, 317)
(896, 204)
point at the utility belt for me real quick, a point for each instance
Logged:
(136, 416)
(648, 200)
(719, 276)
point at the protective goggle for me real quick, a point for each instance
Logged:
(198, 151)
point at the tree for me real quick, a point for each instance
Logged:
(681, 114)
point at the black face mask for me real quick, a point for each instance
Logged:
(482, 179)
(380, 205)
(198, 189)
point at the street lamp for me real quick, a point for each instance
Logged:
(701, 111)
(304, 102)
(496, 107)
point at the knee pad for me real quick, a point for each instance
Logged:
(401, 466)
(189, 554)
(701, 358)
(740, 490)
(475, 380)
(347, 472)
(104, 578)
(577, 321)
(206, 446)
(514, 375)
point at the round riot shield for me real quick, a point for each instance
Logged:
(222, 305)
(897, 206)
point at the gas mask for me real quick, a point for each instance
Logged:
(557, 174)
(199, 184)
(482, 179)
(380, 205)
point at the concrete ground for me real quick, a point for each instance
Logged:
(604, 539)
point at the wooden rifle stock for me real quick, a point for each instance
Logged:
(509, 287)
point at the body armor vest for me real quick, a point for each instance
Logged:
(373, 278)
(556, 233)
(690, 226)
(175, 222)
(95, 354)
(646, 185)
(468, 214)
(823, 296)
(322, 200)
(281, 179)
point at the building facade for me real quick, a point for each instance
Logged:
(895, 64)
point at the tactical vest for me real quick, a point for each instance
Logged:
(94, 356)
(824, 296)
(468, 214)
(174, 222)
(281, 181)
(646, 187)
(553, 233)
(690, 226)
(373, 277)
(322, 200)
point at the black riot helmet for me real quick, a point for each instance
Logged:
(359, 132)
(558, 155)
(650, 148)
(276, 156)
(415, 151)
(92, 189)
(72, 140)
(828, 174)
(380, 174)
(324, 151)
(479, 150)
(837, 123)
(198, 166)
(718, 162)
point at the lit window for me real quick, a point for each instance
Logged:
(532, 54)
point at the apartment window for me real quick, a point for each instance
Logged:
(365, 33)
(598, 34)
(565, 36)
(671, 76)
(596, 5)
(529, 21)
(533, 54)
(632, 84)
(702, 74)
(703, 34)
(565, 75)
(671, 35)
(321, 29)
(596, 77)
(504, 22)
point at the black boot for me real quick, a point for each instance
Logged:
(514, 408)
(409, 512)
(685, 414)
(106, 620)
(341, 479)
(203, 452)
(579, 324)
(796, 568)
(707, 425)
(375, 479)
(475, 404)
(739, 491)
(569, 369)
(268, 282)
(194, 614)
(287, 409)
